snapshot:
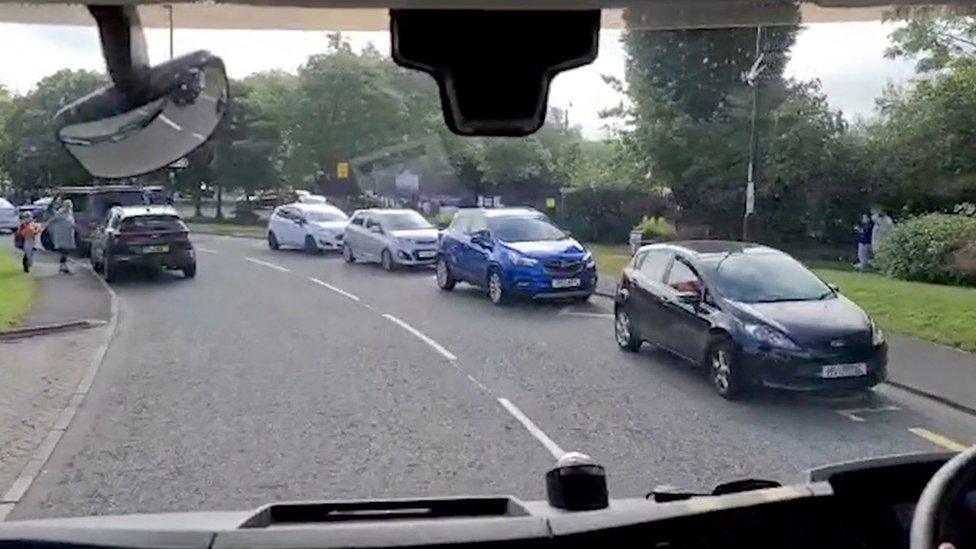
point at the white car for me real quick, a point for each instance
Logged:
(9, 218)
(311, 227)
(390, 237)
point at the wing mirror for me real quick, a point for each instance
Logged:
(482, 238)
(690, 298)
(115, 135)
(376, 229)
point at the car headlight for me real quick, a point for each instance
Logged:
(403, 242)
(877, 335)
(522, 261)
(770, 337)
(589, 261)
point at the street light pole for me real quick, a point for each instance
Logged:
(753, 79)
(170, 9)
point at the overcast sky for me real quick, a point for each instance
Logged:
(846, 57)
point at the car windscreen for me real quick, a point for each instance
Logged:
(320, 216)
(152, 223)
(767, 277)
(394, 221)
(523, 229)
(103, 202)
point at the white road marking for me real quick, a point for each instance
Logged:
(936, 438)
(855, 414)
(339, 291)
(266, 264)
(435, 345)
(478, 383)
(207, 250)
(585, 314)
(532, 428)
(199, 136)
(170, 123)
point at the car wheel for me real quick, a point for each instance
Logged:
(445, 280)
(46, 240)
(347, 253)
(723, 371)
(310, 245)
(272, 241)
(623, 331)
(386, 259)
(190, 270)
(496, 290)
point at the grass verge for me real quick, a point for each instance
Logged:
(610, 258)
(943, 314)
(16, 291)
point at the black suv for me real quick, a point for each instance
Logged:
(142, 235)
(90, 206)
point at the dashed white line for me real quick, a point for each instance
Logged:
(936, 438)
(201, 137)
(585, 315)
(532, 428)
(339, 291)
(435, 345)
(266, 264)
(856, 413)
(170, 123)
(207, 250)
(476, 382)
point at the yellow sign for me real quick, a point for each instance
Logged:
(550, 202)
(342, 170)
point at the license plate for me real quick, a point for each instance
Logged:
(426, 254)
(844, 370)
(566, 282)
(155, 249)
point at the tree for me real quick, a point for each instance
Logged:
(934, 36)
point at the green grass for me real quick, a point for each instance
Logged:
(610, 258)
(944, 314)
(16, 291)
(228, 229)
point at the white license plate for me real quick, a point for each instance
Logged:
(844, 370)
(426, 254)
(155, 249)
(566, 282)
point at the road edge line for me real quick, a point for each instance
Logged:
(41, 454)
(421, 336)
(532, 428)
(267, 264)
(938, 440)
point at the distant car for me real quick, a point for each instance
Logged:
(752, 315)
(142, 235)
(391, 237)
(90, 206)
(37, 208)
(514, 252)
(9, 216)
(312, 227)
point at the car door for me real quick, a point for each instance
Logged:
(372, 237)
(476, 255)
(686, 322)
(451, 246)
(292, 227)
(276, 224)
(647, 293)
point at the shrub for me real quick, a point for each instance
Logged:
(930, 248)
(442, 219)
(657, 228)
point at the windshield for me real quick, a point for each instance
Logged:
(522, 229)
(152, 223)
(395, 221)
(264, 358)
(756, 278)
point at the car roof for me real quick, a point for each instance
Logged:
(503, 212)
(148, 209)
(99, 189)
(314, 206)
(702, 249)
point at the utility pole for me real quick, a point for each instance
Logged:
(752, 78)
(170, 9)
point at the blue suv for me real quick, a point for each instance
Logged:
(514, 252)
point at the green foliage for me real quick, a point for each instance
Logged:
(16, 290)
(927, 249)
(657, 228)
(443, 219)
(935, 36)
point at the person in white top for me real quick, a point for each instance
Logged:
(882, 224)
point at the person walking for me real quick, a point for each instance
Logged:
(882, 224)
(864, 232)
(25, 238)
(62, 229)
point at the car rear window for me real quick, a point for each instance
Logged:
(103, 202)
(153, 223)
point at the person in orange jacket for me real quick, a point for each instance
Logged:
(25, 238)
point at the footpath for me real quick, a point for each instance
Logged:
(942, 373)
(41, 370)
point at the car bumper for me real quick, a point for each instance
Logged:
(540, 285)
(329, 243)
(416, 257)
(173, 260)
(798, 372)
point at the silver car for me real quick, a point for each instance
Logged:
(391, 237)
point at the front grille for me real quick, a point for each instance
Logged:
(848, 348)
(425, 242)
(562, 267)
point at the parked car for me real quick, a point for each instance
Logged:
(751, 314)
(9, 216)
(142, 235)
(90, 206)
(312, 227)
(514, 252)
(37, 207)
(391, 237)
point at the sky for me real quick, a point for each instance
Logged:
(846, 57)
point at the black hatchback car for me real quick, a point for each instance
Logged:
(142, 235)
(752, 315)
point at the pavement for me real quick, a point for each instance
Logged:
(285, 376)
(39, 374)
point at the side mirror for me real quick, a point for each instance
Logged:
(376, 229)
(690, 298)
(482, 238)
(113, 135)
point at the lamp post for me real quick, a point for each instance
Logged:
(752, 78)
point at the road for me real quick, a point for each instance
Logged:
(280, 375)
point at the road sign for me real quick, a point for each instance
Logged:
(550, 202)
(342, 170)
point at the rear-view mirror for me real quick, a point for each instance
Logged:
(690, 298)
(114, 136)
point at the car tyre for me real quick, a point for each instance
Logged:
(723, 369)
(272, 241)
(310, 245)
(445, 278)
(496, 289)
(386, 260)
(347, 253)
(190, 271)
(623, 331)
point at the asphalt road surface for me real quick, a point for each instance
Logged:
(280, 375)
